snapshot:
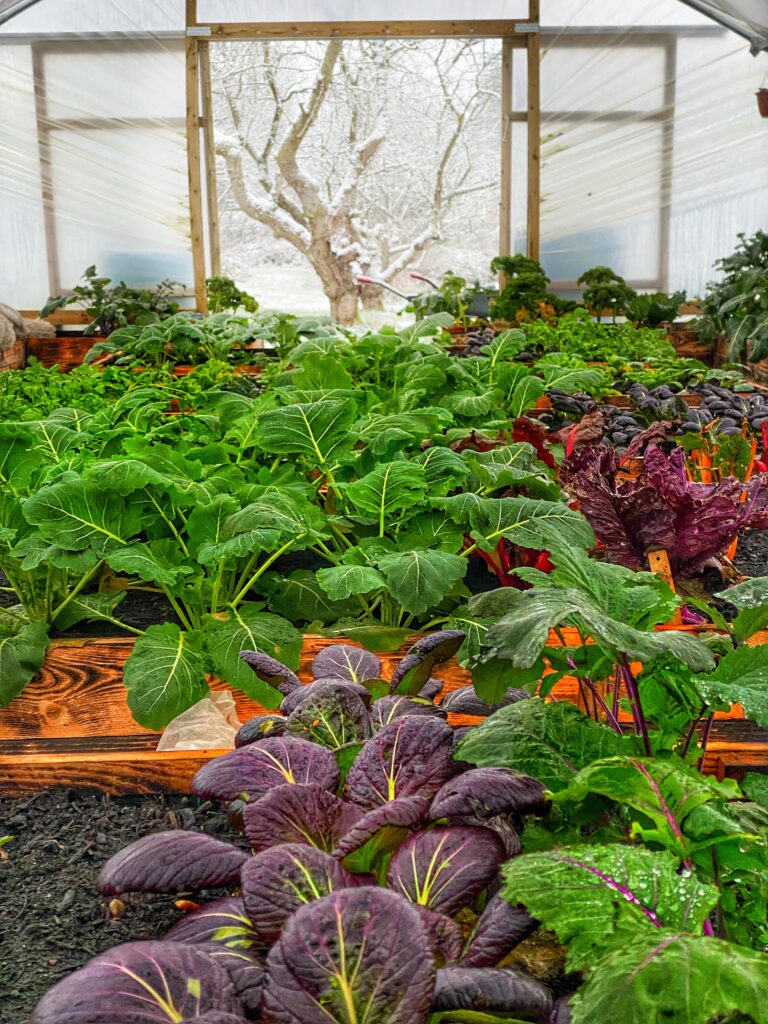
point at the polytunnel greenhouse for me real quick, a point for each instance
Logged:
(383, 512)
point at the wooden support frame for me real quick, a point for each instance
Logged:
(194, 163)
(46, 168)
(519, 34)
(211, 192)
(533, 233)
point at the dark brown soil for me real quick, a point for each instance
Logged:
(51, 918)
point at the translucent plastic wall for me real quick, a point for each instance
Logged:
(92, 146)
(653, 153)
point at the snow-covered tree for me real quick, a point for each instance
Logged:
(358, 154)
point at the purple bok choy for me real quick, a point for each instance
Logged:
(346, 898)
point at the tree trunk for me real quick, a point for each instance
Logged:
(338, 283)
(372, 297)
(344, 307)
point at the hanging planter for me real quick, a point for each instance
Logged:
(762, 102)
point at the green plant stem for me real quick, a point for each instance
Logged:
(263, 568)
(435, 622)
(84, 580)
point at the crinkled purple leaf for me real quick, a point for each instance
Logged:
(246, 972)
(492, 991)
(331, 714)
(358, 954)
(397, 816)
(410, 756)
(500, 928)
(561, 1012)
(140, 983)
(259, 767)
(298, 814)
(224, 920)
(446, 868)
(465, 701)
(444, 935)
(276, 882)
(415, 668)
(661, 508)
(346, 662)
(171, 862)
(486, 792)
(500, 827)
(387, 709)
(258, 728)
(271, 671)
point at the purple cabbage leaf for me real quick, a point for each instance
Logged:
(255, 769)
(347, 662)
(415, 668)
(298, 814)
(492, 991)
(141, 983)
(446, 868)
(174, 861)
(258, 728)
(280, 880)
(357, 954)
(224, 920)
(271, 671)
(499, 929)
(487, 792)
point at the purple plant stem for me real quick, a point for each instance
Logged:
(704, 741)
(612, 720)
(691, 732)
(616, 690)
(637, 709)
(708, 929)
(612, 883)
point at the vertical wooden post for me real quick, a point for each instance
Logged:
(46, 170)
(505, 204)
(193, 162)
(211, 195)
(667, 159)
(658, 562)
(534, 133)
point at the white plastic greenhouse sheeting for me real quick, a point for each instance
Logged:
(615, 154)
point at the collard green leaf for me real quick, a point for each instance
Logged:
(550, 742)
(514, 465)
(165, 674)
(250, 629)
(443, 468)
(206, 522)
(90, 608)
(143, 983)
(21, 655)
(259, 767)
(160, 561)
(277, 881)
(391, 488)
(420, 580)
(341, 582)
(325, 969)
(667, 976)
(300, 597)
(76, 515)
(526, 522)
(316, 431)
(595, 896)
(176, 861)
(446, 868)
